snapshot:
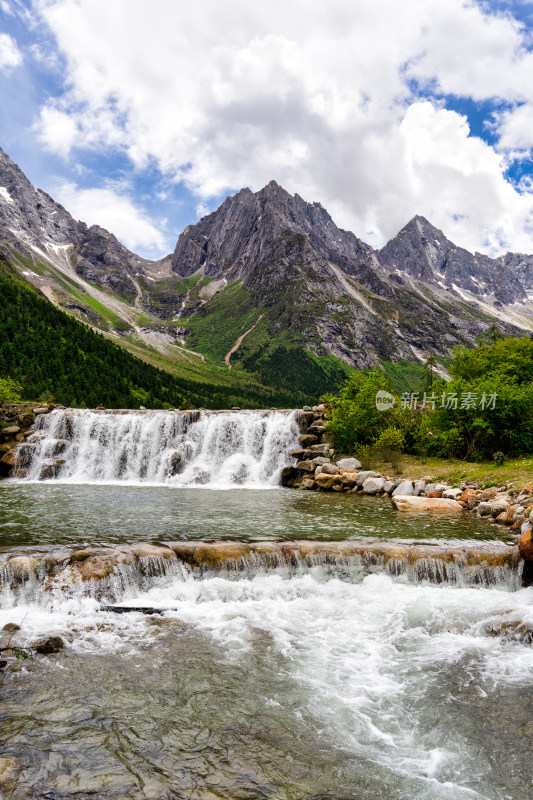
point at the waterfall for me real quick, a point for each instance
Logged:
(179, 448)
(111, 574)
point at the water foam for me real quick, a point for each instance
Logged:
(372, 660)
(177, 448)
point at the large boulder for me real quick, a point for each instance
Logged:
(373, 485)
(348, 464)
(363, 475)
(525, 545)
(419, 488)
(404, 488)
(11, 430)
(330, 469)
(321, 449)
(324, 481)
(306, 466)
(348, 478)
(306, 439)
(498, 506)
(8, 458)
(411, 503)
(388, 486)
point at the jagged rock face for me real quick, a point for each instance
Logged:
(374, 305)
(424, 252)
(247, 227)
(420, 294)
(35, 224)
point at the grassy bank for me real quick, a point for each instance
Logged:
(515, 472)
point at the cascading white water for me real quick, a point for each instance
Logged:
(181, 448)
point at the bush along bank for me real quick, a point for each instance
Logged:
(317, 469)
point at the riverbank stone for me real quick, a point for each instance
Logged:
(411, 503)
(349, 464)
(404, 488)
(373, 485)
(330, 469)
(325, 481)
(525, 545)
(452, 494)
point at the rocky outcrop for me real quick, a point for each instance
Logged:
(16, 425)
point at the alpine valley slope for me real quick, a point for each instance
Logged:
(310, 300)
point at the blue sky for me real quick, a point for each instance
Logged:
(143, 117)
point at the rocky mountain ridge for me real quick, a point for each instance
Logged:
(275, 268)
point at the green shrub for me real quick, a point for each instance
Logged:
(10, 391)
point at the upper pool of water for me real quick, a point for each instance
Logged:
(51, 513)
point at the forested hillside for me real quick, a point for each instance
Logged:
(55, 357)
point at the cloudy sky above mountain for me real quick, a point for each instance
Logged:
(143, 116)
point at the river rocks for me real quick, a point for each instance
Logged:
(373, 485)
(411, 503)
(419, 488)
(348, 464)
(305, 466)
(404, 488)
(308, 483)
(498, 506)
(516, 527)
(320, 449)
(307, 439)
(288, 476)
(348, 478)
(11, 627)
(8, 458)
(433, 494)
(25, 420)
(51, 469)
(490, 493)
(507, 516)
(452, 494)
(330, 469)
(484, 509)
(41, 410)
(525, 545)
(470, 497)
(48, 645)
(436, 487)
(363, 475)
(325, 481)
(9, 769)
(11, 430)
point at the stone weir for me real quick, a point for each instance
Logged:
(111, 572)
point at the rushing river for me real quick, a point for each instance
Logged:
(311, 684)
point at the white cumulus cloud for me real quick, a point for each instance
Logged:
(324, 98)
(10, 55)
(114, 211)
